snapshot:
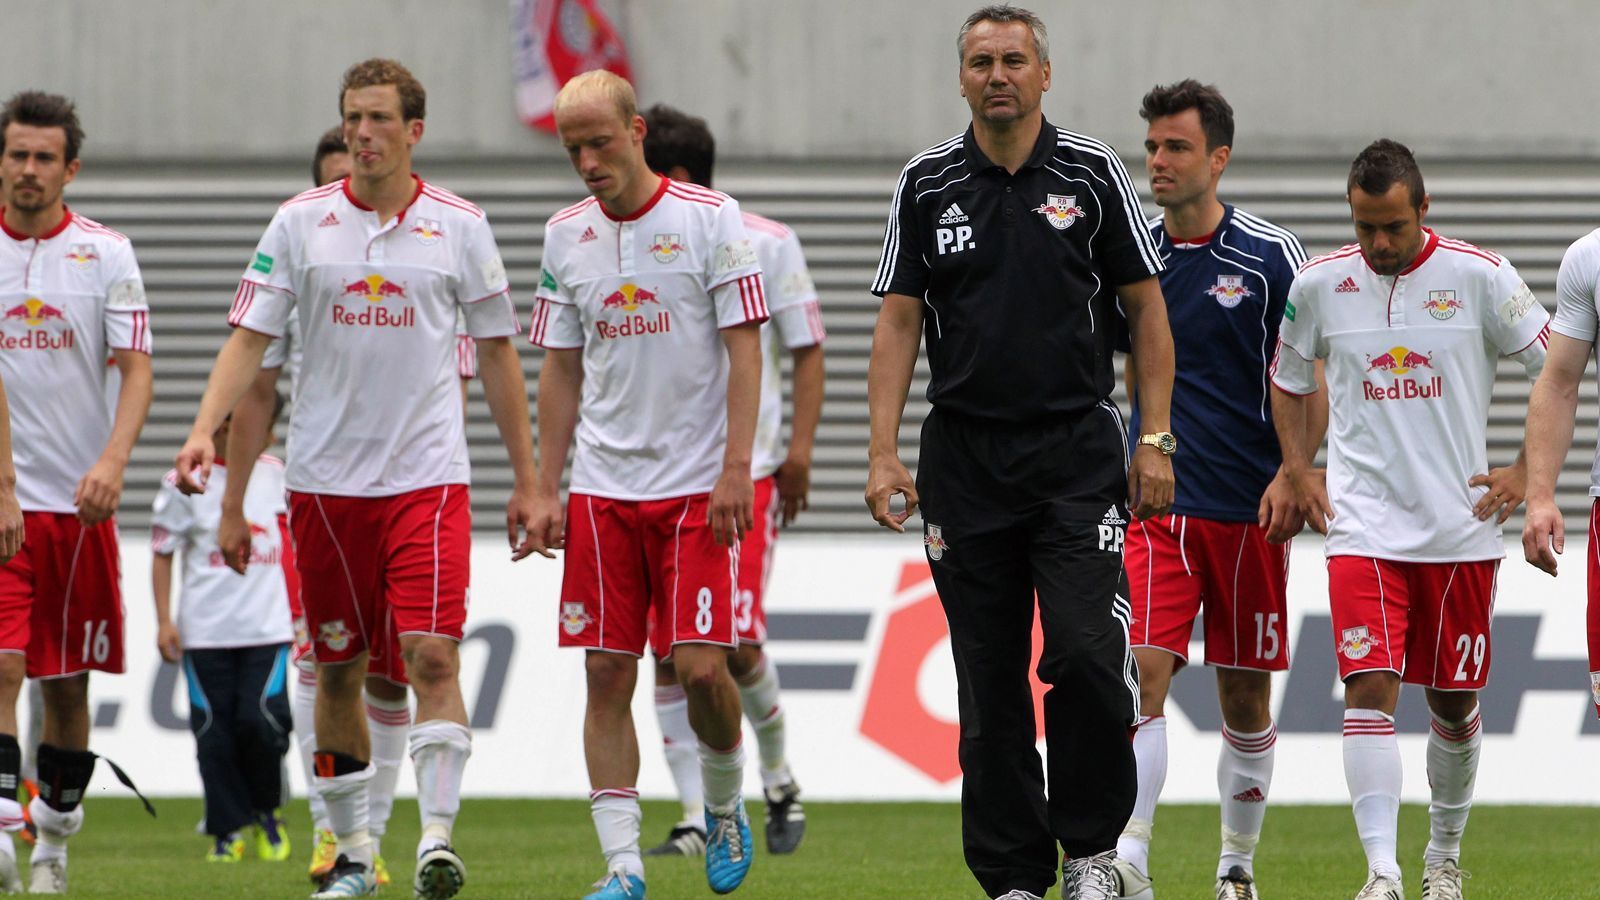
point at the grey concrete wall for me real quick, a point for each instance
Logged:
(807, 78)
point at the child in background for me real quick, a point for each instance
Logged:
(232, 636)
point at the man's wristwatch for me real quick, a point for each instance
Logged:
(1161, 440)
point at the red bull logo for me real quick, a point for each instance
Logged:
(1229, 291)
(666, 247)
(257, 530)
(1398, 361)
(375, 288)
(1442, 304)
(1060, 210)
(35, 312)
(82, 255)
(628, 298)
(427, 231)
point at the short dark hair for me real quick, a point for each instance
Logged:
(331, 142)
(376, 72)
(1216, 114)
(1003, 13)
(43, 110)
(675, 138)
(1383, 164)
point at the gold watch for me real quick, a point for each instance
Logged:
(1161, 440)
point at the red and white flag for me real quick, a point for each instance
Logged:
(552, 41)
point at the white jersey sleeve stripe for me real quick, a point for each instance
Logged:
(1124, 185)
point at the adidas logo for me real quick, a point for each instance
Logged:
(329, 219)
(1112, 517)
(588, 235)
(953, 215)
(1253, 795)
(1347, 286)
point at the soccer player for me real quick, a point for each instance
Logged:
(681, 147)
(378, 266)
(1222, 548)
(649, 308)
(388, 715)
(232, 638)
(1552, 409)
(71, 295)
(1411, 325)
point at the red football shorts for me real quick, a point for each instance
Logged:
(301, 653)
(640, 571)
(755, 563)
(375, 568)
(1179, 565)
(61, 597)
(1428, 622)
(1594, 604)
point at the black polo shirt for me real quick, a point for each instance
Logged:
(1018, 273)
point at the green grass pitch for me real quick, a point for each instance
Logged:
(547, 848)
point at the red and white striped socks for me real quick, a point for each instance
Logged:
(1453, 751)
(682, 749)
(1244, 778)
(758, 693)
(1150, 755)
(616, 817)
(388, 722)
(1372, 772)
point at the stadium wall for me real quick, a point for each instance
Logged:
(192, 79)
(863, 653)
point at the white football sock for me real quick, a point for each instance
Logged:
(1453, 751)
(723, 774)
(758, 694)
(1373, 773)
(682, 750)
(388, 721)
(1244, 777)
(1150, 755)
(346, 799)
(303, 709)
(439, 751)
(616, 817)
(54, 829)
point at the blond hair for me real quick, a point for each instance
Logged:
(599, 84)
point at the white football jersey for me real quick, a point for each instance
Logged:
(796, 322)
(377, 406)
(217, 606)
(645, 298)
(1410, 368)
(285, 352)
(66, 301)
(1575, 317)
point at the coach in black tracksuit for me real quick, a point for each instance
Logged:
(1008, 248)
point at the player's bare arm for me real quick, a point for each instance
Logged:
(895, 342)
(247, 438)
(11, 531)
(559, 391)
(1150, 481)
(794, 475)
(237, 364)
(168, 643)
(101, 488)
(733, 499)
(1280, 512)
(1290, 415)
(507, 393)
(1552, 408)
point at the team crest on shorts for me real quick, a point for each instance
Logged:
(1594, 686)
(1229, 290)
(428, 231)
(302, 632)
(1060, 210)
(574, 619)
(335, 635)
(934, 541)
(1357, 642)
